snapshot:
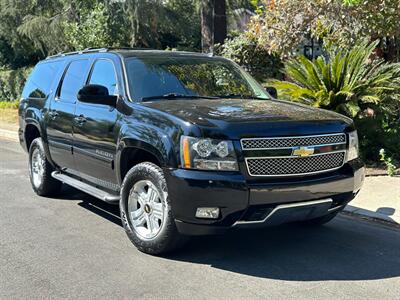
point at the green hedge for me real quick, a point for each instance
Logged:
(4, 104)
(255, 59)
(12, 82)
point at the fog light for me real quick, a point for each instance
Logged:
(207, 212)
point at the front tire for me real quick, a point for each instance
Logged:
(146, 210)
(40, 171)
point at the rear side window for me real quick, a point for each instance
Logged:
(73, 80)
(41, 79)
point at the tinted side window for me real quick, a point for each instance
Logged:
(39, 82)
(73, 80)
(103, 73)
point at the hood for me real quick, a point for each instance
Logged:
(238, 118)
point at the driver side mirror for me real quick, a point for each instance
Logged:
(96, 94)
(272, 91)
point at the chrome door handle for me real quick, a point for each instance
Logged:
(81, 119)
(53, 114)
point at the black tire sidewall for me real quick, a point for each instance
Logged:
(166, 239)
(49, 185)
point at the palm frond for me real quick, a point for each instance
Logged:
(343, 82)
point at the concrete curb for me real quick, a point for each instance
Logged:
(357, 211)
(9, 135)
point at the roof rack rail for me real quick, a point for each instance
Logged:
(87, 50)
(129, 48)
(93, 50)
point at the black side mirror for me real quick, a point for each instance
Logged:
(272, 91)
(96, 94)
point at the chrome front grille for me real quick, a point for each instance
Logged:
(289, 142)
(330, 154)
(279, 166)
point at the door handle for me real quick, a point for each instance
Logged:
(53, 114)
(80, 120)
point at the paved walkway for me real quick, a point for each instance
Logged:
(9, 134)
(379, 198)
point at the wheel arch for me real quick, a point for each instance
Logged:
(31, 132)
(132, 151)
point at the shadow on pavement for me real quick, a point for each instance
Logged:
(387, 211)
(386, 214)
(345, 249)
(103, 209)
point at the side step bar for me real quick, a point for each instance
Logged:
(87, 188)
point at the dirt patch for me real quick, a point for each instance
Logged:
(9, 119)
(375, 171)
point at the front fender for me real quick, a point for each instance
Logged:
(150, 139)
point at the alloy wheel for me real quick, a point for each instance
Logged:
(37, 167)
(147, 209)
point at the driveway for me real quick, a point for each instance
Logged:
(74, 247)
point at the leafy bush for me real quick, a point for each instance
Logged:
(281, 25)
(255, 59)
(391, 167)
(351, 83)
(374, 133)
(12, 82)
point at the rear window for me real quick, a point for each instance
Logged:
(42, 77)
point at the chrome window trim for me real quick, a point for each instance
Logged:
(93, 64)
(294, 157)
(293, 137)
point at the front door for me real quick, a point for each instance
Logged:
(95, 132)
(61, 115)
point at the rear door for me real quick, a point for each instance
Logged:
(95, 132)
(62, 112)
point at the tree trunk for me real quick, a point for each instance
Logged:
(392, 51)
(219, 21)
(132, 9)
(207, 25)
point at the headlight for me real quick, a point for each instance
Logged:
(207, 154)
(352, 152)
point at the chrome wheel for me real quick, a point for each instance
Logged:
(37, 168)
(147, 209)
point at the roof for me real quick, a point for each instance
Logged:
(132, 52)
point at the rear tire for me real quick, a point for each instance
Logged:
(146, 210)
(40, 171)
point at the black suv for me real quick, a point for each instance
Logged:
(186, 143)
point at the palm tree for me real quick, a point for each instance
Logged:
(347, 81)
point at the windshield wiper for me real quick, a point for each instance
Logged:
(176, 96)
(240, 96)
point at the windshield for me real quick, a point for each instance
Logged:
(177, 77)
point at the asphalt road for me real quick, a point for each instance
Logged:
(74, 247)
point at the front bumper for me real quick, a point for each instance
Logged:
(242, 200)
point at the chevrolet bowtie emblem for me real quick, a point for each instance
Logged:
(303, 151)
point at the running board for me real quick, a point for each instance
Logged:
(87, 188)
